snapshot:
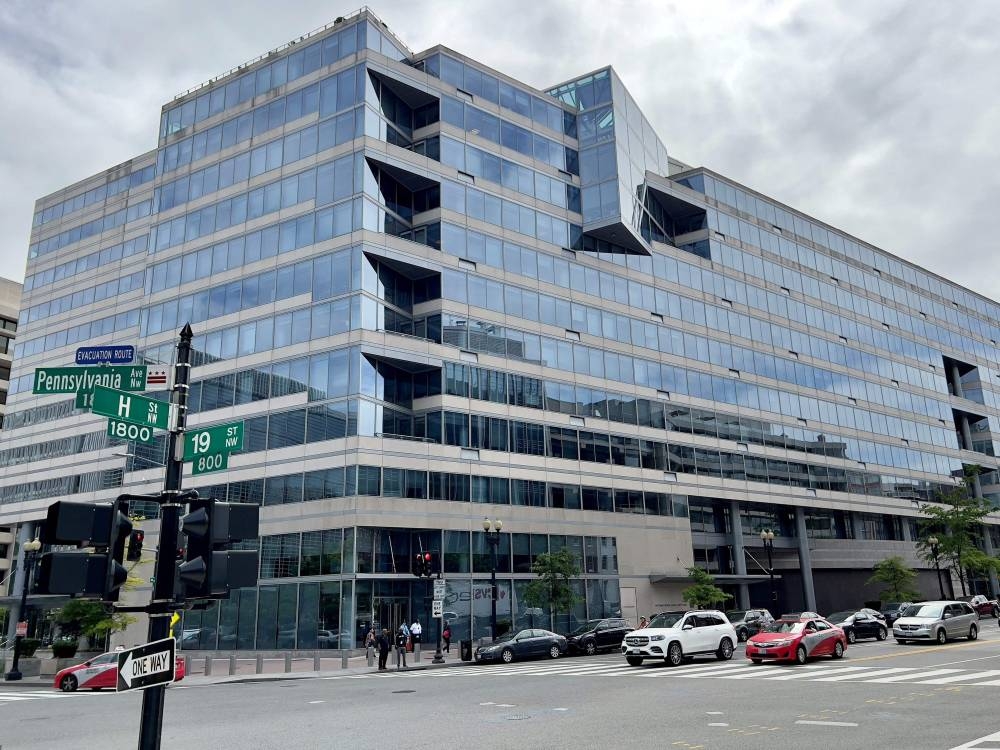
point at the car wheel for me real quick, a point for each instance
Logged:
(838, 650)
(996, 612)
(973, 632)
(507, 656)
(742, 635)
(800, 655)
(757, 661)
(675, 655)
(725, 652)
(590, 648)
(554, 652)
(634, 661)
(941, 636)
(882, 634)
(68, 684)
(851, 636)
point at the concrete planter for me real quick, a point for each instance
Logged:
(29, 666)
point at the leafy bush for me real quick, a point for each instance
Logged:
(28, 646)
(65, 648)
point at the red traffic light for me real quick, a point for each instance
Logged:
(427, 556)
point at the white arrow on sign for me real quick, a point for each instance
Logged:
(144, 666)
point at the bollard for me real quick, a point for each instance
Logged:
(343, 659)
(187, 664)
(316, 663)
(416, 653)
(208, 665)
(371, 656)
(232, 664)
(260, 663)
(288, 663)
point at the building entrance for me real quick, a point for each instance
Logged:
(390, 612)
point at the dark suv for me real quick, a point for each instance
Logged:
(749, 622)
(598, 635)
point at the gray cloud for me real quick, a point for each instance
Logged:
(877, 118)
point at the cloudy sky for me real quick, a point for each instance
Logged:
(878, 118)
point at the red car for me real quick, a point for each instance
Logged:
(797, 640)
(99, 672)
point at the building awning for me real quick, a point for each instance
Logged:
(718, 577)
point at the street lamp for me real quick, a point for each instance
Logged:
(933, 542)
(767, 537)
(492, 529)
(30, 550)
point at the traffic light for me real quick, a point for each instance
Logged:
(423, 565)
(428, 564)
(211, 570)
(135, 540)
(418, 565)
(97, 574)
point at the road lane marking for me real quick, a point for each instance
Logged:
(717, 724)
(911, 676)
(915, 649)
(812, 675)
(714, 713)
(992, 739)
(313, 703)
(873, 673)
(827, 723)
(963, 678)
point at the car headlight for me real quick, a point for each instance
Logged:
(657, 637)
(775, 643)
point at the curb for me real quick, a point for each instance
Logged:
(284, 676)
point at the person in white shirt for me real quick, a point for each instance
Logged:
(416, 631)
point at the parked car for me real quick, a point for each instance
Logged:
(676, 636)
(984, 607)
(598, 635)
(937, 621)
(892, 611)
(524, 644)
(862, 623)
(749, 622)
(327, 639)
(798, 640)
(99, 672)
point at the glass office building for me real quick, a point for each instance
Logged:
(436, 294)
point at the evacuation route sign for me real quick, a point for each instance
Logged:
(145, 666)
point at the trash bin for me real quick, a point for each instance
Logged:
(466, 650)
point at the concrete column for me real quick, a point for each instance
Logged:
(805, 559)
(25, 533)
(991, 551)
(963, 426)
(739, 556)
(956, 381)
(904, 522)
(858, 525)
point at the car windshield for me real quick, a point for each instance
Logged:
(736, 615)
(586, 627)
(785, 626)
(840, 616)
(924, 610)
(666, 620)
(891, 607)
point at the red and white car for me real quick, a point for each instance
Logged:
(100, 672)
(797, 640)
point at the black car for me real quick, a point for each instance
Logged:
(892, 611)
(524, 644)
(598, 635)
(861, 623)
(749, 622)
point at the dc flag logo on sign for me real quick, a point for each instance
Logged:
(156, 376)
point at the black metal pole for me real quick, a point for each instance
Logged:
(29, 561)
(769, 545)
(937, 567)
(494, 537)
(151, 723)
(438, 655)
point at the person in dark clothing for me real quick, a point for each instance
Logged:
(446, 636)
(383, 649)
(401, 639)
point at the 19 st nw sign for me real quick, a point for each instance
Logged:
(148, 665)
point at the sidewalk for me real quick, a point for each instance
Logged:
(273, 669)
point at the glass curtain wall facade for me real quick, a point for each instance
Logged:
(434, 293)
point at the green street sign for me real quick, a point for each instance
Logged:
(128, 407)
(129, 431)
(211, 462)
(84, 399)
(216, 439)
(50, 380)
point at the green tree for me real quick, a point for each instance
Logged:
(86, 617)
(552, 588)
(703, 593)
(898, 578)
(956, 521)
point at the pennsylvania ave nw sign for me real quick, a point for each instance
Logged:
(145, 666)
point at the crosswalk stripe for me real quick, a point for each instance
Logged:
(812, 675)
(748, 674)
(914, 677)
(874, 673)
(963, 678)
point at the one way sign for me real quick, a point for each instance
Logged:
(145, 666)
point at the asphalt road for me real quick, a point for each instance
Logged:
(882, 695)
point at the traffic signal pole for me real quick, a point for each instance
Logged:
(151, 722)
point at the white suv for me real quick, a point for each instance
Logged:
(675, 636)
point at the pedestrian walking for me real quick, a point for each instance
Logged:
(383, 649)
(401, 640)
(416, 631)
(446, 635)
(371, 644)
(642, 623)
